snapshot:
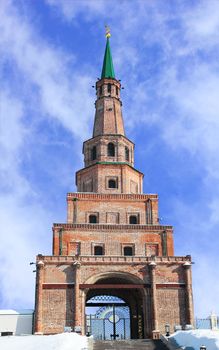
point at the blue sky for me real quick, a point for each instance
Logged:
(166, 54)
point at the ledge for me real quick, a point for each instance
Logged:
(111, 227)
(101, 196)
(66, 259)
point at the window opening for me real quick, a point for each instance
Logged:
(128, 251)
(127, 154)
(112, 184)
(109, 88)
(101, 90)
(117, 90)
(98, 250)
(111, 149)
(93, 153)
(92, 219)
(133, 219)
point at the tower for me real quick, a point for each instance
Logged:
(112, 254)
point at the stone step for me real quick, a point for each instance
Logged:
(140, 344)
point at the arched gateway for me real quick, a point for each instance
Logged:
(113, 263)
(115, 305)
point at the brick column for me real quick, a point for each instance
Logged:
(155, 331)
(77, 300)
(189, 298)
(39, 297)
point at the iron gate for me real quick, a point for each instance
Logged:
(109, 320)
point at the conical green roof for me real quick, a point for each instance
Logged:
(107, 70)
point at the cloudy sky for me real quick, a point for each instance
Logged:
(166, 54)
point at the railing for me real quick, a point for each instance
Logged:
(211, 322)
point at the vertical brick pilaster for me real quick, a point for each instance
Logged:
(39, 298)
(77, 303)
(152, 266)
(189, 297)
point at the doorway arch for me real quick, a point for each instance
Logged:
(114, 286)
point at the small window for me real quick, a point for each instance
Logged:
(92, 219)
(128, 251)
(109, 88)
(112, 184)
(111, 149)
(101, 90)
(94, 153)
(133, 219)
(127, 154)
(98, 250)
(117, 90)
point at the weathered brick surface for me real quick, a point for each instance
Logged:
(155, 284)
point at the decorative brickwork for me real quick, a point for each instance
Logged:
(112, 242)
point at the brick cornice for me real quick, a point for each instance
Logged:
(115, 197)
(104, 259)
(100, 164)
(112, 227)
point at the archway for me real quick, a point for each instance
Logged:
(114, 307)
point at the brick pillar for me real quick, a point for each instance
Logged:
(77, 301)
(155, 331)
(39, 298)
(189, 298)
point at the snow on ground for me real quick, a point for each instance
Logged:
(192, 340)
(64, 341)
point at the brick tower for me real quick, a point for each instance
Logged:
(112, 244)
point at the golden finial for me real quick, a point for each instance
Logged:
(107, 29)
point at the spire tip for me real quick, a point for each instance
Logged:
(107, 31)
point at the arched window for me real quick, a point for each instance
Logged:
(117, 90)
(112, 184)
(109, 88)
(133, 219)
(93, 153)
(127, 154)
(93, 219)
(98, 250)
(111, 149)
(128, 251)
(101, 90)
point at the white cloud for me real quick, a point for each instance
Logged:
(61, 94)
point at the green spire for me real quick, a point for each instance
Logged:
(107, 70)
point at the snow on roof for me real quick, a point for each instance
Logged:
(196, 338)
(16, 312)
(64, 341)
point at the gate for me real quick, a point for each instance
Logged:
(108, 318)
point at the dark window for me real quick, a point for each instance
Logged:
(101, 90)
(111, 150)
(133, 219)
(117, 90)
(93, 153)
(6, 333)
(92, 219)
(128, 251)
(109, 88)
(127, 154)
(112, 184)
(98, 250)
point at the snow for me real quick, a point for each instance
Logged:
(16, 312)
(192, 340)
(64, 341)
